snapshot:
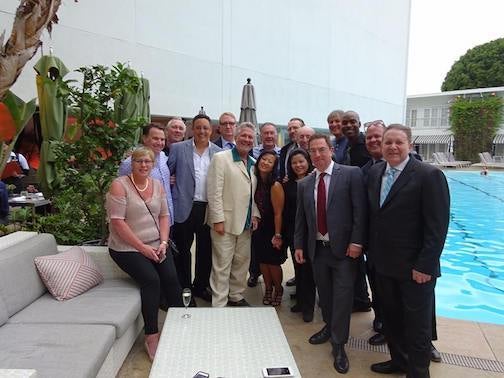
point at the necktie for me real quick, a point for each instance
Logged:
(230, 145)
(389, 181)
(321, 206)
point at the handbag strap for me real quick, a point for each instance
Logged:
(145, 203)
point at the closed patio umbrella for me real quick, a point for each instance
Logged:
(248, 104)
(133, 104)
(53, 114)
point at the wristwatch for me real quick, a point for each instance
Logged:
(164, 242)
(279, 236)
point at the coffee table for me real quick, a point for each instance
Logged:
(224, 342)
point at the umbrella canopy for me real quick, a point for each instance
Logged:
(53, 114)
(248, 104)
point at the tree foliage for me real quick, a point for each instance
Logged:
(474, 122)
(480, 67)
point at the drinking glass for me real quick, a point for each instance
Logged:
(186, 298)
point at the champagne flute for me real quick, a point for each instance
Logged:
(186, 298)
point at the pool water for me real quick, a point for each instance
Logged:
(472, 263)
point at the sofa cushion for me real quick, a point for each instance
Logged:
(20, 283)
(69, 273)
(3, 312)
(56, 350)
(114, 302)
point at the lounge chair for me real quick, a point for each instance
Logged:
(486, 160)
(441, 160)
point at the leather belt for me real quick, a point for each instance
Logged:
(323, 243)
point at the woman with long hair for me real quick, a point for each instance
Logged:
(298, 166)
(267, 239)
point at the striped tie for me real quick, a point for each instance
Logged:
(389, 181)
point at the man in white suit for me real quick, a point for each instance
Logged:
(232, 215)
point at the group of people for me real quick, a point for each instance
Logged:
(330, 201)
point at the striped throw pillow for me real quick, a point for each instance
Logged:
(69, 273)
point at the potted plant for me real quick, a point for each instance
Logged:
(96, 139)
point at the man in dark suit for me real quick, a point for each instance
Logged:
(409, 204)
(189, 162)
(292, 128)
(227, 126)
(331, 216)
(357, 154)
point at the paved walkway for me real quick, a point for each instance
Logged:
(462, 344)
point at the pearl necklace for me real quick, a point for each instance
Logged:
(136, 186)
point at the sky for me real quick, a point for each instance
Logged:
(441, 31)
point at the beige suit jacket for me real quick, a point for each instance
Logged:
(229, 190)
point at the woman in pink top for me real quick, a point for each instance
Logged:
(139, 229)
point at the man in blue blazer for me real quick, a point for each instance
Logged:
(331, 220)
(189, 162)
(409, 205)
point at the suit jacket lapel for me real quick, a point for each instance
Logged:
(402, 180)
(310, 199)
(189, 156)
(376, 188)
(332, 185)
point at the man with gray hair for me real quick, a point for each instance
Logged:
(269, 138)
(303, 136)
(174, 131)
(232, 215)
(340, 142)
(227, 126)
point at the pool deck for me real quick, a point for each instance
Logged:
(460, 342)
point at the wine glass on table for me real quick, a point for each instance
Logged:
(186, 298)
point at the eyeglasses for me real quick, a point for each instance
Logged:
(377, 122)
(146, 162)
(227, 123)
(320, 150)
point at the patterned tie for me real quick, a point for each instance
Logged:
(389, 181)
(230, 145)
(321, 206)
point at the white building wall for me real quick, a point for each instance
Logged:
(305, 58)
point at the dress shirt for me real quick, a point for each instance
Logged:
(327, 182)
(160, 171)
(256, 151)
(227, 145)
(399, 167)
(201, 164)
(340, 150)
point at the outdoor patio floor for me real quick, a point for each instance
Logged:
(461, 343)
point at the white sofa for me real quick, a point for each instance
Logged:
(87, 336)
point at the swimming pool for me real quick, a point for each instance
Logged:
(472, 263)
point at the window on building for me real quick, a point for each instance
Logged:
(413, 117)
(434, 120)
(426, 117)
(445, 114)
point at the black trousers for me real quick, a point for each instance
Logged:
(305, 283)
(183, 235)
(371, 274)
(407, 317)
(151, 277)
(361, 295)
(335, 279)
(254, 267)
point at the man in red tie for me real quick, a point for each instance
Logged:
(331, 223)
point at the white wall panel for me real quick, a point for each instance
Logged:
(305, 58)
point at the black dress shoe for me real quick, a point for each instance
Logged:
(387, 367)
(435, 356)
(291, 282)
(321, 336)
(378, 339)
(296, 308)
(241, 303)
(252, 281)
(340, 359)
(204, 294)
(308, 316)
(361, 308)
(377, 325)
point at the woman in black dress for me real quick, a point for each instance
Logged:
(267, 239)
(298, 166)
